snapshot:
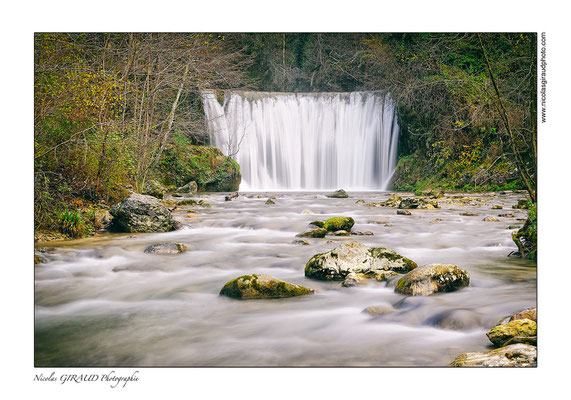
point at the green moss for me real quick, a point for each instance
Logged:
(261, 287)
(517, 331)
(187, 202)
(526, 237)
(339, 223)
(320, 224)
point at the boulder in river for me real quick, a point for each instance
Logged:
(166, 248)
(497, 207)
(270, 201)
(339, 224)
(403, 212)
(490, 219)
(261, 287)
(517, 331)
(392, 202)
(313, 233)
(301, 241)
(190, 187)
(339, 194)
(515, 355)
(341, 233)
(231, 196)
(351, 257)
(433, 278)
(141, 213)
(187, 202)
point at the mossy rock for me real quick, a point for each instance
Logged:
(515, 355)
(339, 224)
(526, 237)
(270, 201)
(319, 224)
(183, 162)
(154, 188)
(516, 331)
(313, 233)
(352, 257)
(187, 202)
(433, 278)
(262, 287)
(339, 194)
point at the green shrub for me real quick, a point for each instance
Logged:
(71, 223)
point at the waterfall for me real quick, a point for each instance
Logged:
(306, 141)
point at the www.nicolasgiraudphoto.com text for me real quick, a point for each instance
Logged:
(543, 64)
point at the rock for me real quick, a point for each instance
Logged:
(365, 233)
(379, 222)
(392, 202)
(314, 233)
(191, 216)
(187, 202)
(141, 213)
(403, 212)
(205, 165)
(351, 257)
(231, 196)
(438, 195)
(434, 221)
(526, 237)
(377, 311)
(166, 248)
(339, 194)
(516, 331)
(507, 215)
(270, 201)
(469, 214)
(154, 188)
(319, 224)
(261, 287)
(341, 233)
(301, 241)
(190, 187)
(307, 212)
(457, 320)
(102, 219)
(496, 207)
(433, 278)
(360, 202)
(490, 219)
(339, 223)
(515, 355)
(354, 279)
(514, 227)
(418, 202)
(529, 313)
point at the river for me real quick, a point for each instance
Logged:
(102, 301)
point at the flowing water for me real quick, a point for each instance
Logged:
(297, 141)
(102, 301)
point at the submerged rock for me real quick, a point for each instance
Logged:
(516, 331)
(261, 287)
(458, 320)
(339, 194)
(351, 257)
(403, 212)
(270, 201)
(360, 202)
(468, 214)
(490, 219)
(313, 233)
(339, 224)
(301, 241)
(496, 207)
(433, 278)
(341, 233)
(141, 213)
(166, 248)
(515, 355)
(377, 311)
(364, 233)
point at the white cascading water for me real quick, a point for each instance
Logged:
(306, 141)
